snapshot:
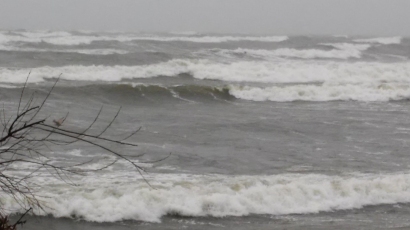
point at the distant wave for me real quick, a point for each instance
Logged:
(181, 92)
(341, 36)
(325, 92)
(66, 38)
(95, 199)
(10, 86)
(185, 33)
(348, 46)
(377, 92)
(283, 93)
(341, 51)
(79, 51)
(244, 71)
(384, 41)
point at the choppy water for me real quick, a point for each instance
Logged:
(264, 131)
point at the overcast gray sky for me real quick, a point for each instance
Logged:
(282, 17)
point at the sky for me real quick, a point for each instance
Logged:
(279, 17)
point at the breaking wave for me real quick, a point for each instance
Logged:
(283, 93)
(79, 51)
(369, 92)
(325, 92)
(243, 71)
(69, 39)
(95, 199)
(384, 41)
(282, 81)
(182, 92)
(341, 51)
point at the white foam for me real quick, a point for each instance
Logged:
(218, 39)
(384, 41)
(349, 46)
(316, 53)
(342, 51)
(291, 71)
(74, 153)
(91, 73)
(44, 34)
(3, 38)
(58, 38)
(96, 199)
(65, 38)
(80, 51)
(324, 92)
(9, 86)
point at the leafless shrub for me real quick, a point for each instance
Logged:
(23, 138)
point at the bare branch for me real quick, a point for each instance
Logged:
(27, 135)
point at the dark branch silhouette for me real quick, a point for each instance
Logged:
(26, 134)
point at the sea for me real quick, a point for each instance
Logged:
(236, 131)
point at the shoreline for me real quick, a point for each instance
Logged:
(383, 216)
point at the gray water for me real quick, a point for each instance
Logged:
(262, 134)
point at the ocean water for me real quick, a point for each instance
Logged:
(258, 132)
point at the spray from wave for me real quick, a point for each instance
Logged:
(68, 39)
(284, 81)
(216, 195)
(384, 41)
(244, 71)
(341, 51)
(325, 92)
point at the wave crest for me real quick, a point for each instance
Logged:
(243, 71)
(70, 39)
(384, 41)
(325, 92)
(216, 195)
(341, 51)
